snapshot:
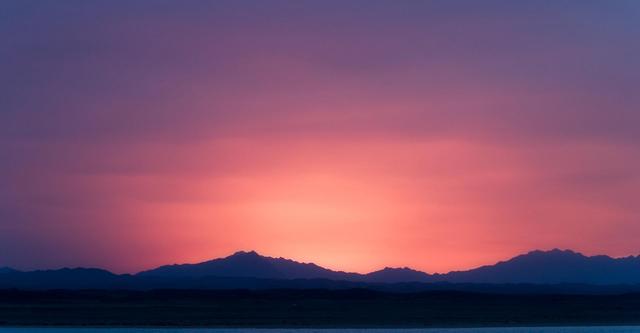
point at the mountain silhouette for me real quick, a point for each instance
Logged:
(552, 267)
(536, 271)
(249, 264)
(66, 278)
(538, 267)
(6, 270)
(396, 275)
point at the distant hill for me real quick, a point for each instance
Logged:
(552, 267)
(396, 275)
(554, 271)
(538, 267)
(249, 264)
(66, 278)
(4, 270)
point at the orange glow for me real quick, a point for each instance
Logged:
(356, 207)
(406, 133)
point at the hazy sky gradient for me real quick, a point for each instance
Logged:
(355, 134)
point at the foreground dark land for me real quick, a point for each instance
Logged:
(312, 308)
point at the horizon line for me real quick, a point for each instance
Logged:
(555, 249)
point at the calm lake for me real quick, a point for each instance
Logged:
(600, 329)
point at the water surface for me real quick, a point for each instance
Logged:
(597, 329)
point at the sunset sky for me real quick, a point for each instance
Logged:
(440, 135)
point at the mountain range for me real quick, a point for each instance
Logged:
(556, 270)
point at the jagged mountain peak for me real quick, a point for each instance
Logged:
(243, 253)
(554, 252)
(398, 269)
(397, 274)
(249, 264)
(553, 266)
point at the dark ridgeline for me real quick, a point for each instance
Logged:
(6, 270)
(552, 267)
(248, 290)
(65, 278)
(536, 271)
(538, 267)
(250, 264)
(397, 275)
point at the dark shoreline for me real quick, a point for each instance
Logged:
(357, 308)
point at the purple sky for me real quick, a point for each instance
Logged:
(356, 134)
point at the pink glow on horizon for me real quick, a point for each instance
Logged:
(354, 206)
(422, 134)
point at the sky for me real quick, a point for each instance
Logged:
(440, 135)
